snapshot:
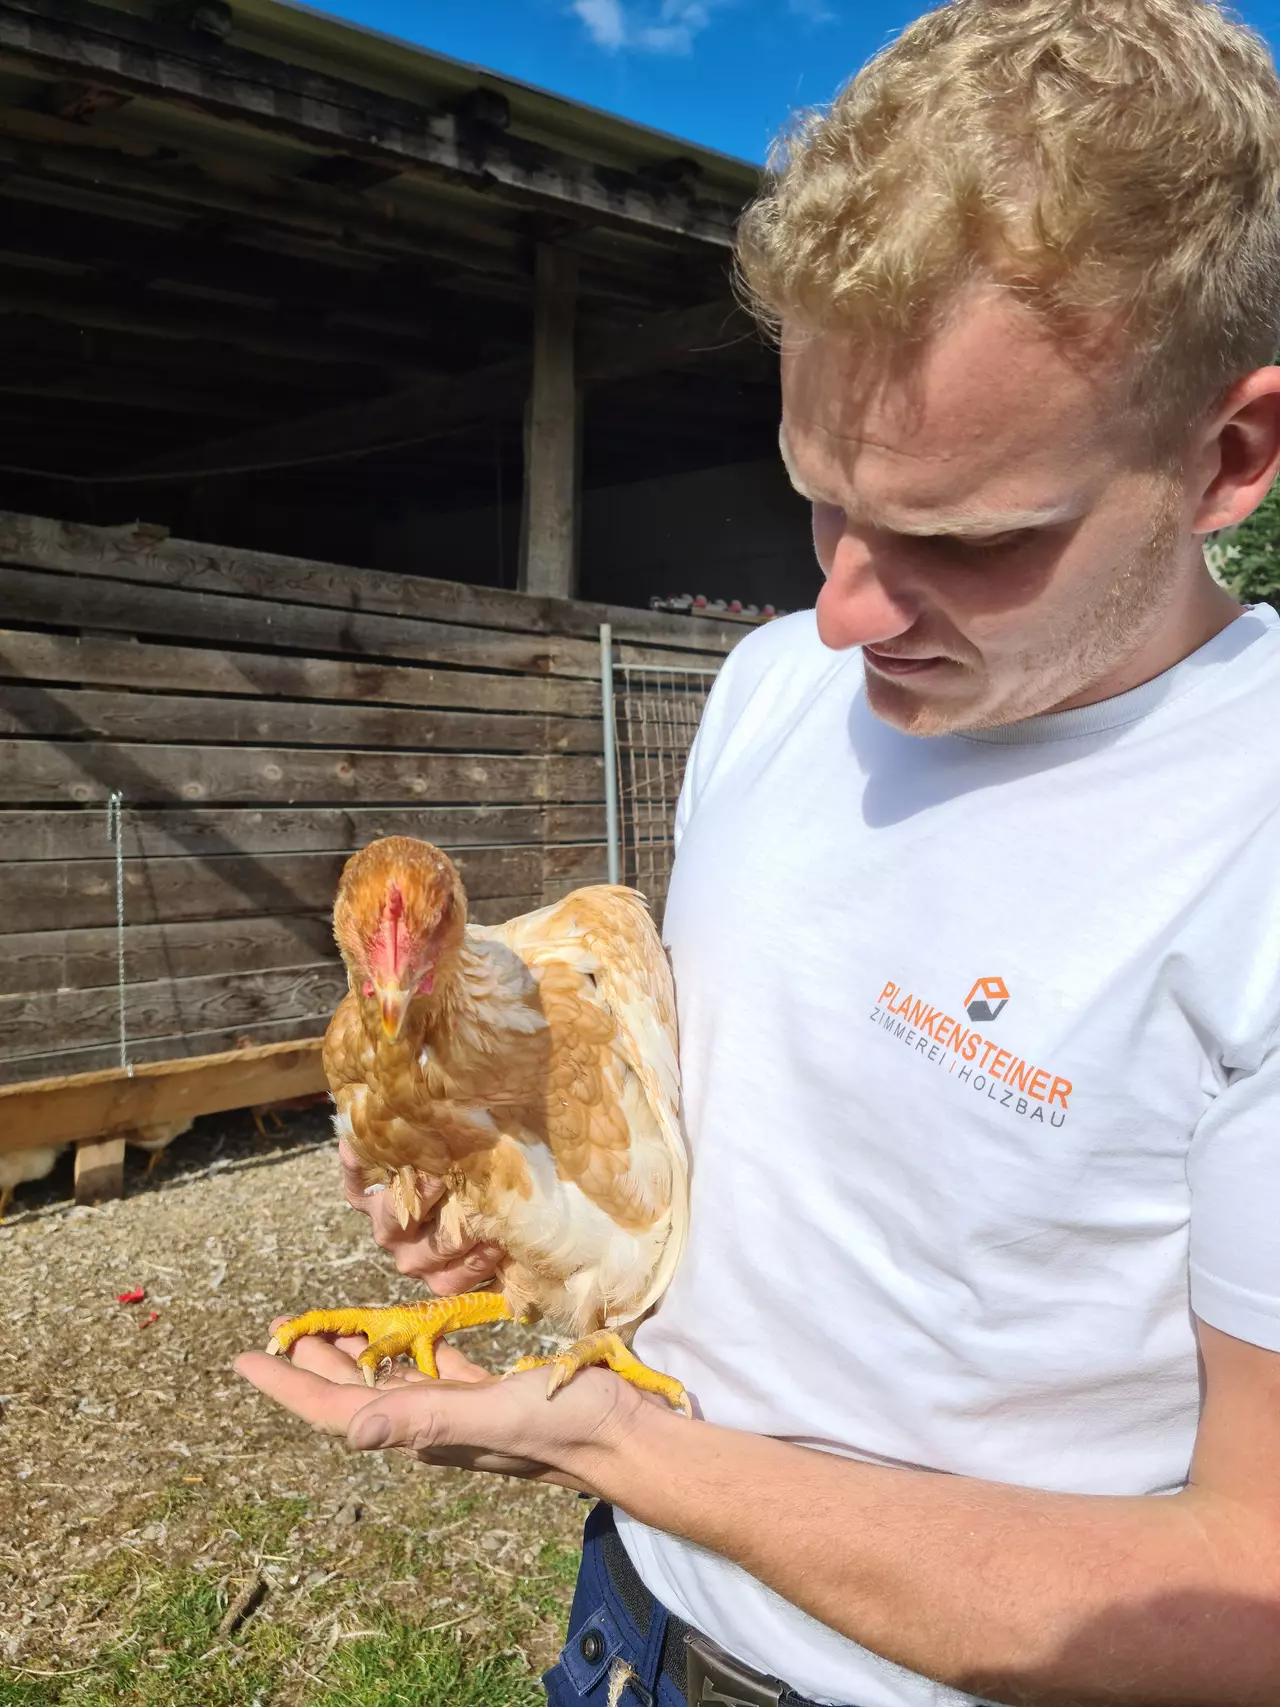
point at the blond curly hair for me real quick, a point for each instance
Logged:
(1115, 163)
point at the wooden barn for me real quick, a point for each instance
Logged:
(439, 373)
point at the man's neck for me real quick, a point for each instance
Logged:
(1189, 624)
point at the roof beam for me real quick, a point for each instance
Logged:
(74, 40)
(44, 150)
(115, 305)
(78, 166)
(433, 406)
(391, 302)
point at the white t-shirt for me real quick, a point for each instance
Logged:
(978, 1036)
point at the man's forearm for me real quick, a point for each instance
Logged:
(1005, 1592)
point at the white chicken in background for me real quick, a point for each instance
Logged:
(24, 1167)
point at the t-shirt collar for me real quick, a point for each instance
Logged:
(1248, 628)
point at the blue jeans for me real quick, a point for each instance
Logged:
(581, 1674)
(605, 1632)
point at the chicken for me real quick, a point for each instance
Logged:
(531, 1067)
(268, 1117)
(154, 1140)
(22, 1167)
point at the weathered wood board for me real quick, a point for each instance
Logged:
(262, 717)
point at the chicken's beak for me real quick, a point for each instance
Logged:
(394, 1005)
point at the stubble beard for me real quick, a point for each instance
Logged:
(1072, 656)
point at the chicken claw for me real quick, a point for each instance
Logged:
(607, 1348)
(267, 1123)
(397, 1329)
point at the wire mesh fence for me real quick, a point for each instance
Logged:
(656, 712)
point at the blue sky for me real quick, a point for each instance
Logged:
(724, 73)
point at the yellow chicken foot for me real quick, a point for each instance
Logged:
(398, 1328)
(607, 1348)
(266, 1121)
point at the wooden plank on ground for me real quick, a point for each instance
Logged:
(72, 960)
(99, 1169)
(153, 832)
(76, 894)
(108, 661)
(75, 773)
(168, 1007)
(132, 553)
(122, 607)
(63, 713)
(65, 1110)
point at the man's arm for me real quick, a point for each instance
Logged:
(1042, 1600)
(1021, 1596)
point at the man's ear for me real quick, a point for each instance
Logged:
(1239, 452)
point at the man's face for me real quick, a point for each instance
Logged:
(991, 533)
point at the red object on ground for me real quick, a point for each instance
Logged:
(153, 1317)
(134, 1297)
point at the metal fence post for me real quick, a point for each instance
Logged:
(610, 753)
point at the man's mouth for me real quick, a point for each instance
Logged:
(895, 664)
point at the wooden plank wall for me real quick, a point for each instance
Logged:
(262, 717)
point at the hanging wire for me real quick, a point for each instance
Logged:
(115, 835)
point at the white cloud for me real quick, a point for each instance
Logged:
(812, 11)
(605, 22)
(671, 27)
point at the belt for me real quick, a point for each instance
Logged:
(701, 1673)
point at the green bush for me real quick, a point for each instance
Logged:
(1248, 560)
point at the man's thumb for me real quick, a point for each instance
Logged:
(409, 1417)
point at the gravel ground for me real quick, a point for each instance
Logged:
(129, 1452)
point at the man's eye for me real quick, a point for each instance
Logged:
(993, 545)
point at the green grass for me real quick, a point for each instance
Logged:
(161, 1648)
(402, 1666)
(165, 1662)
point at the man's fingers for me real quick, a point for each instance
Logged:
(322, 1357)
(357, 1177)
(416, 1418)
(482, 1260)
(454, 1366)
(328, 1406)
(448, 1423)
(460, 1271)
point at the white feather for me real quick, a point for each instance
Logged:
(23, 1167)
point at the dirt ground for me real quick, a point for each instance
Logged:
(151, 1502)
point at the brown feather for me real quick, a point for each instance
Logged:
(536, 1077)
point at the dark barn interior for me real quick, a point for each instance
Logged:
(272, 282)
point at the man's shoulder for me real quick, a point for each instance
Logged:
(765, 681)
(789, 644)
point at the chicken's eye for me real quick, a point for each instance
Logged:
(368, 987)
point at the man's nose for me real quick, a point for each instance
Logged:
(862, 603)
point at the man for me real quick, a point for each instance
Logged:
(976, 933)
